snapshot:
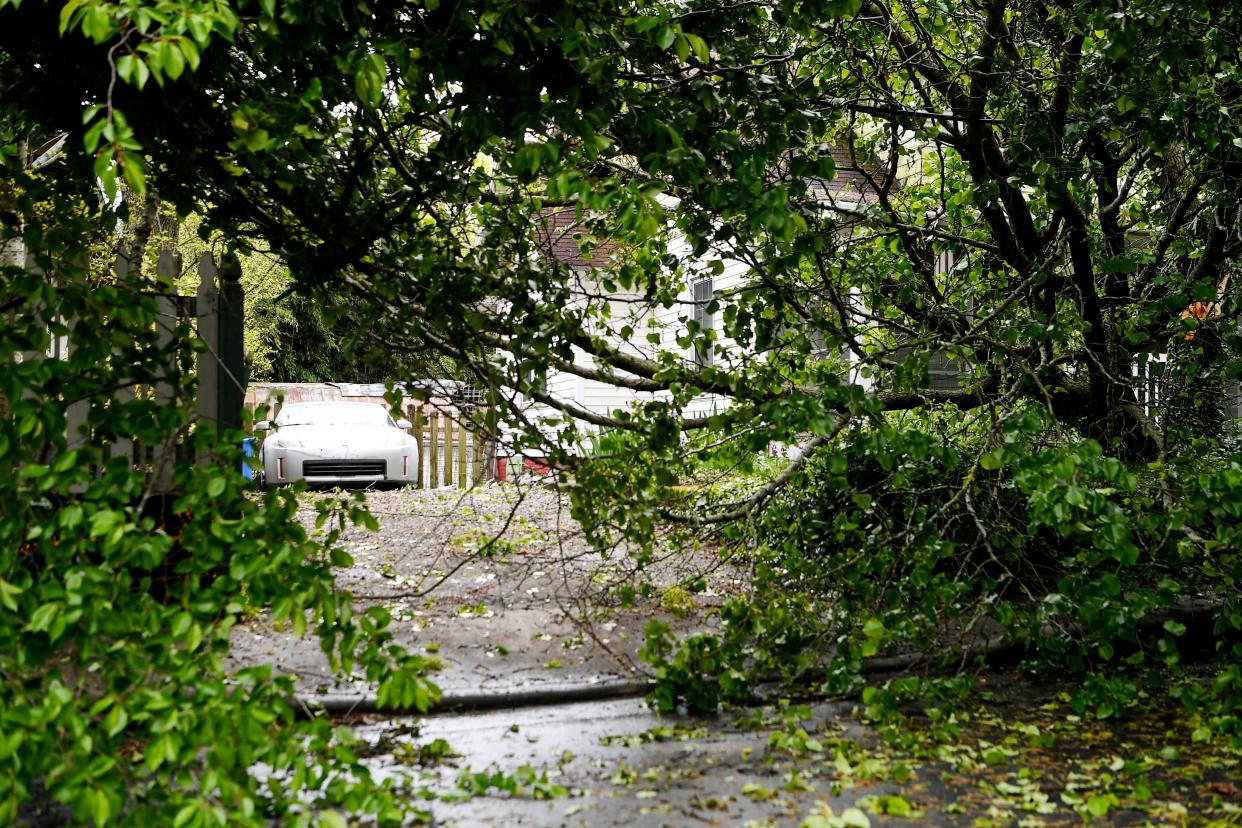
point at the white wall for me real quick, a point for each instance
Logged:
(631, 309)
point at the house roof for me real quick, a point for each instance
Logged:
(856, 179)
(561, 236)
(443, 392)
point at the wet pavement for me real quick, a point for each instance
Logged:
(1017, 755)
(533, 608)
(534, 612)
(608, 763)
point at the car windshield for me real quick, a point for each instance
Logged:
(334, 415)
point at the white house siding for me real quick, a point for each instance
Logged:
(603, 398)
(561, 236)
(563, 386)
(726, 352)
(630, 309)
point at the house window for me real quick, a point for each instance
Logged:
(944, 372)
(534, 383)
(1149, 382)
(946, 260)
(702, 292)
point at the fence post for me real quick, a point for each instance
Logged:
(448, 450)
(232, 345)
(207, 308)
(491, 427)
(415, 413)
(478, 440)
(77, 413)
(433, 448)
(124, 446)
(220, 308)
(163, 457)
(462, 456)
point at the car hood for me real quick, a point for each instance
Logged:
(352, 436)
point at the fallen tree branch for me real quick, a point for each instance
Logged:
(1197, 614)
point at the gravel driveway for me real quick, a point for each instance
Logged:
(499, 583)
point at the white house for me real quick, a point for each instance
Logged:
(632, 317)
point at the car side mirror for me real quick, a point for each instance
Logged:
(404, 424)
(263, 425)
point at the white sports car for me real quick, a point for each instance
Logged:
(337, 443)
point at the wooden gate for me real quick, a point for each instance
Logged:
(454, 448)
(450, 453)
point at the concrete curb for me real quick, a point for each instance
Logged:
(339, 704)
(1194, 613)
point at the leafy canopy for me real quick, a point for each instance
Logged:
(1027, 197)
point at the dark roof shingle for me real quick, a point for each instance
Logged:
(561, 236)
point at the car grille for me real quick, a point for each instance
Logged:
(344, 468)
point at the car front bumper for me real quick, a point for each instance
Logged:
(340, 466)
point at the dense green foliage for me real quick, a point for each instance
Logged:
(288, 337)
(1033, 192)
(1035, 550)
(116, 599)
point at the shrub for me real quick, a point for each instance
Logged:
(906, 536)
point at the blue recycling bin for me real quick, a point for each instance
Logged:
(249, 445)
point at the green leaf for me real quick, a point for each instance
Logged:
(369, 82)
(134, 171)
(90, 140)
(180, 623)
(842, 8)
(105, 171)
(116, 720)
(194, 637)
(1101, 804)
(173, 59)
(190, 50)
(96, 24)
(42, 617)
(100, 806)
(332, 819)
(160, 750)
(699, 45)
(186, 813)
(854, 818)
(644, 23)
(681, 48)
(8, 595)
(67, 12)
(132, 69)
(200, 29)
(256, 140)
